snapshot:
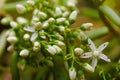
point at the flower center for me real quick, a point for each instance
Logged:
(95, 53)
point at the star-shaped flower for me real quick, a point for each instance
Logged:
(96, 53)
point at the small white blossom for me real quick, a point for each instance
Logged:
(20, 8)
(82, 36)
(60, 43)
(45, 24)
(33, 31)
(24, 53)
(96, 53)
(72, 73)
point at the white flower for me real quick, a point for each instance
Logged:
(58, 12)
(12, 39)
(96, 53)
(60, 20)
(22, 20)
(33, 31)
(13, 24)
(26, 37)
(86, 26)
(72, 73)
(30, 2)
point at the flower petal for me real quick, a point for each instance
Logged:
(94, 62)
(86, 55)
(29, 29)
(104, 57)
(34, 36)
(102, 46)
(91, 44)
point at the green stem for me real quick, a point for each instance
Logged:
(98, 33)
(14, 68)
(59, 69)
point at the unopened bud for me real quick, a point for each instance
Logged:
(58, 12)
(51, 50)
(72, 73)
(30, 2)
(20, 8)
(10, 48)
(13, 24)
(24, 53)
(88, 67)
(38, 25)
(51, 20)
(66, 14)
(12, 39)
(42, 15)
(58, 49)
(83, 36)
(26, 37)
(61, 28)
(45, 24)
(78, 51)
(60, 20)
(60, 43)
(22, 20)
(73, 16)
(86, 26)
(6, 20)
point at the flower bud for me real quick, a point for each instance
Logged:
(35, 19)
(20, 8)
(58, 49)
(36, 44)
(38, 25)
(51, 50)
(51, 20)
(42, 15)
(78, 51)
(30, 2)
(61, 28)
(13, 24)
(26, 37)
(58, 12)
(60, 43)
(83, 36)
(12, 39)
(24, 53)
(86, 26)
(45, 24)
(72, 73)
(60, 20)
(88, 67)
(70, 4)
(10, 48)
(66, 14)
(6, 20)
(73, 16)
(22, 20)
